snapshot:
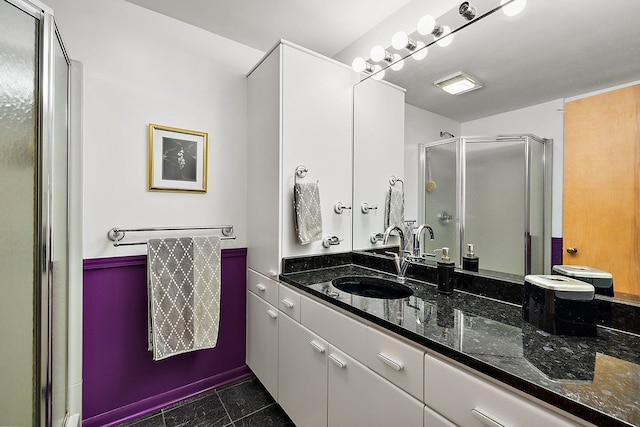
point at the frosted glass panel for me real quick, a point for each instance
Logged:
(59, 255)
(495, 204)
(18, 121)
(440, 197)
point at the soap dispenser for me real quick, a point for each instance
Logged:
(470, 261)
(445, 273)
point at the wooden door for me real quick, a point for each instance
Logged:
(602, 185)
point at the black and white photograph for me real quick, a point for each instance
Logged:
(177, 159)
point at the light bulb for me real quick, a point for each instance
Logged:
(400, 40)
(426, 24)
(446, 38)
(420, 53)
(398, 63)
(378, 72)
(359, 65)
(513, 8)
(378, 53)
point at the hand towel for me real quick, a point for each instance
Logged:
(394, 208)
(308, 217)
(183, 278)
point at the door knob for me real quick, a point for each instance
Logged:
(572, 250)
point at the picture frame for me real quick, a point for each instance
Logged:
(178, 159)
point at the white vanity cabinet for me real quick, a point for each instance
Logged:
(262, 330)
(468, 400)
(262, 341)
(378, 152)
(300, 113)
(360, 397)
(302, 374)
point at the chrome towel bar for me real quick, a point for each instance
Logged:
(116, 234)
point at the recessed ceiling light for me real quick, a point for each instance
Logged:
(458, 83)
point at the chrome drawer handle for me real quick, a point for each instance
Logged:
(261, 287)
(390, 362)
(317, 347)
(339, 363)
(286, 303)
(272, 314)
(485, 419)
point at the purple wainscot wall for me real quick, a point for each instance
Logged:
(556, 251)
(120, 378)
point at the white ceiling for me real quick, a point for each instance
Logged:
(554, 49)
(325, 26)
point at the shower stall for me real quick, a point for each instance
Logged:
(38, 220)
(493, 193)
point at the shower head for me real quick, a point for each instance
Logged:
(446, 135)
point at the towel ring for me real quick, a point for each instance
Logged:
(393, 180)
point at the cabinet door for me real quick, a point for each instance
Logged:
(360, 397)
(262, 341)
(302, 374)
(316, 132)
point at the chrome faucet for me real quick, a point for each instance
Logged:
(418, 238)
(399, 258)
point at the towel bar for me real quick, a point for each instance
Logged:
(116, 234)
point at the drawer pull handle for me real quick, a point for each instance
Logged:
(272, 314)
(286, 303)
(485, 419)
(339, 363)
(317, 347)
(261, 287)
(273, 273)
(390, 362)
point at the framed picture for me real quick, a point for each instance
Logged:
(177, 159)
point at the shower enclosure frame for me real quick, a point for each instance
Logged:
(461, 176)
(43, 287)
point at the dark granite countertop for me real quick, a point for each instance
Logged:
(596, 378)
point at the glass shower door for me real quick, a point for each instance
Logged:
(439, 201)
(19, 35)
(34, 255)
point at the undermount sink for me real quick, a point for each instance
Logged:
(372, 287)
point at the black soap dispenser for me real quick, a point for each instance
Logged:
(470, 261)
(445, 273)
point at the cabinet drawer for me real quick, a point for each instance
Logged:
(289, 302)
(263, 287)
(469, 400)
(397, 361)
(433, 419)
(342, 331)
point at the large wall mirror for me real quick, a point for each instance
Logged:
(541, 73)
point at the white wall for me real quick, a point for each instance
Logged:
(544, 120)
(141, 67)
(421, 126)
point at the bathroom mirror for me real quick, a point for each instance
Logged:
(529, 65)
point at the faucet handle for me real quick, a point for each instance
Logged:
(393, 254)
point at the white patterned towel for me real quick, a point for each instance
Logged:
(394, 208)
(307, 212)
(183, 278)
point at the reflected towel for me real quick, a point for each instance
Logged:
(183, 285)
(394, 208)
(307, 212)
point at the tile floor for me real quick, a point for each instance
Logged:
(243, 404)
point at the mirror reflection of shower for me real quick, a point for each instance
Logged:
(492, 192)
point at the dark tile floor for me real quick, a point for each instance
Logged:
(243, 404)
